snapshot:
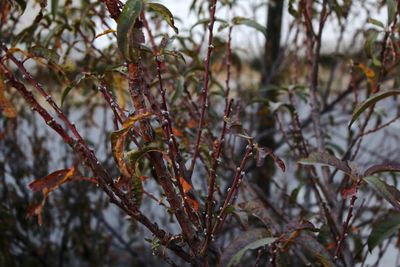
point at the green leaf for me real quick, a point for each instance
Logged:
(376, 22)
(74, 84)
(206, 21)
(391, 9)
(369, 45)
(326, 159)
(135, 155)
(126, 32)
(370, 102)
(165, 13)
(383, 229)
(248, 240)
(54, 7)
(39, 51)
(178, 90)
(251, 23)
(388, 192)
(175, 54)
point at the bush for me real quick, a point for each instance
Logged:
(209, 156)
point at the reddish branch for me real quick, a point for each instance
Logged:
(346, 223)
(88, 159)
(204, 93)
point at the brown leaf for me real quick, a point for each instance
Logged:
(52, 181)
(185, 185)
(193, 203)
(5, 105)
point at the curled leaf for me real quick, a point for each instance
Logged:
(250, 23)
(164, 12)
(50, 55)
(105, 32)
(127, 36)
(52, 181)
(118, 141)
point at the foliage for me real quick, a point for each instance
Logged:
(118, 126)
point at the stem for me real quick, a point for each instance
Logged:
(204, 101)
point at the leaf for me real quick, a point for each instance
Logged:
(388, 192)
(370, 102)
(165, 13)
(118, 141)
(375, 22)
(383, 229)
(36, 210)
(105, 33)
(39, 51)
(391, 10)
(52, 181)
(326, 159)
(370, 74)
(128, 123)
(126, 31)
(318, 251)
(54, 7)
(384, 167)
(179, 87)
(117, 148)
(74, 84)
(250, 23)
(248, 240)
(6, 106)
(175, 54)
(193, 203)
(134, 156)
(369, 45)
(185, 185)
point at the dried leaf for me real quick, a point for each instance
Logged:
(105, 33)
(185, 185)
(193, 203)
(118, 141)
(5, 105)
(52, 181)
